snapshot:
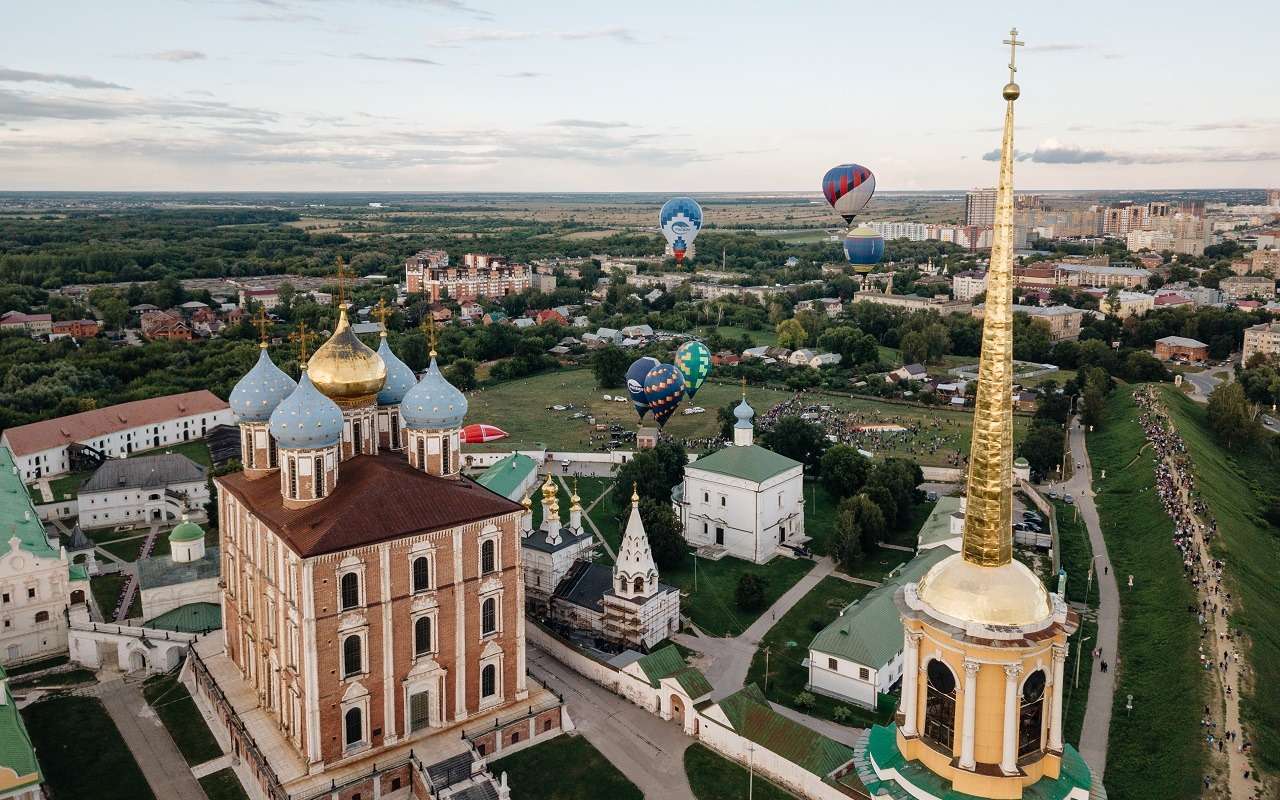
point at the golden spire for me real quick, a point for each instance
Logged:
(382, 312)
(429, 330)
(988, 520)
(302, 337)
(262, 323)
(635, 495)
(342, 288)
(574, 499)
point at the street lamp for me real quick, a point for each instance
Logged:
(1089, 584)
(1079, 656)
(1128, 706)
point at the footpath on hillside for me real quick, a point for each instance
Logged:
(1221, 647)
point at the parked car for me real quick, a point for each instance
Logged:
(1068, 499)
(931, 496)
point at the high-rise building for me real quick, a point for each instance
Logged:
(1273, 197)
(980, 207)
(1119, 219)
(985, 645)
(479, 275)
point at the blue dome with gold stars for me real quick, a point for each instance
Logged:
(306, 419)
(261, 389)
(400, 378)
(433, 403)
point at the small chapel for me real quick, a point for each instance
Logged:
(744, 500)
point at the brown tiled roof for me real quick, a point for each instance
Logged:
(87, 425)
(377, 498)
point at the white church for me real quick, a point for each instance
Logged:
(744, 501)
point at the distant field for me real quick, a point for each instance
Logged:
(764, 336)
(937, 436)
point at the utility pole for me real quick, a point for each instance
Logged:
(766, 670)
(751, 770)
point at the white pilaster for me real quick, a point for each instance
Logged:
(308, 656)
(1059, 688)
(1009, 752)
(910, 680)
(460, 601)
(522, 690)
(968, 721)
(389, 693)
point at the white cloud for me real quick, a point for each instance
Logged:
(75, 81)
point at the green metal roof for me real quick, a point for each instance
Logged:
(78, 572)
(937, 526)
(186, 531)
(869, 630)
(882, 747)
(752, 462)
(753, 718)
(16, 751)
(668, 663)
(191, 618)
(18, 516)
(505, 476)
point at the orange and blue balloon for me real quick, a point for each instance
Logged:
(680, 220)
(693, 359)
(664, 388)
(848, 188)
(636, 374)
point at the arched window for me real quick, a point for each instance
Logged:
(488, 616)
(319, 479)
(422, 636)
(356, 438)
(350, 591)
(940, 704)
(638, 586)
(42, 616)
(272, 454)
(488, 681)
(352, 663)
(422, 454)
(421, 574)
(445, 453)
(488, 557)
(293, 478)
(395, 431)
(1031, 715)
(354, 725)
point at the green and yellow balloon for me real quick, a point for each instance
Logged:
(693, 359)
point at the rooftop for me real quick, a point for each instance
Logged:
(17, 515)
(667, 662)
(751, 716)
(568, 538)
(406, 501)
(18, 765)
(158, 571)
(1181, 341)
(144, 472)
(505, 476)
(751, 462)
(88, 425)
(191, 618)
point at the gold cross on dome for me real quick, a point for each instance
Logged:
(383, 313)
(1014, 44)
(302, 337)
(429, 329)
(342, 288)
(261, 322)
(744, 387)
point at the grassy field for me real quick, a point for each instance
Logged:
(943, 433)
(129, 549)
(1158, 637)
(714, 777)
(81, 752)
(1074, 555)
(788, 643)
(712, 606)
(196, 450)
(1239, 485)
(565, 768)
(106, 591)
(223, 785)
(175, 708)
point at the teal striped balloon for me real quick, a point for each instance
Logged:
(693, 359)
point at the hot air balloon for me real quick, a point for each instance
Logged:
(664, 387)
(680, 220)
(864, 246)
(480, 433)
(636, 374)
(693, 359)
(848, 188)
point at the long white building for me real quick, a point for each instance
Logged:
(124, 491)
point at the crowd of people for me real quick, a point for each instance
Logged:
(1194, 528)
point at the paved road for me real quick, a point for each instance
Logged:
(1203, 383)
(1102, 685)
(643, 746)
(162, 765)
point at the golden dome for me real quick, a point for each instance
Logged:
(1009, 594)
(345, 369)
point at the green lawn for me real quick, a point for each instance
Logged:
(223, 785)
(67, 486)
(1075, 553)
(878, 563)
(129, 549)
(1240, 485)
(714, 777)
(106, 591)
(175, 708)
(565, 768)
(36, 666)
(1158, 638)
(68, 678)
(81, 752)
(196, 450)
(788, 643)
(712, 606)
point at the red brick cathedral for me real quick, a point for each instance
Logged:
(372, 595)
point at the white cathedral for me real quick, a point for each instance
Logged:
(744, 501)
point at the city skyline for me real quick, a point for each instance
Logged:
(447, 95)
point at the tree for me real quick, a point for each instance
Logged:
(666, 540)
(915, 348)
(1112, 301)
(1043, 446)
(652, 473)
(610, 367)
(791, 334)
(870, 521)
(844, 470)
(899, 477)
(1094, 398)
(1231, 416)
(462, 374)
(749, 593)
(797, 439)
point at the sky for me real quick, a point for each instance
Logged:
(614, 95)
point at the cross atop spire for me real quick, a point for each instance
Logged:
(262, 323)
(744, 387)
(383, 313)
(342, 283)
(1014, 44)
(429, 330)
(302, 337)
